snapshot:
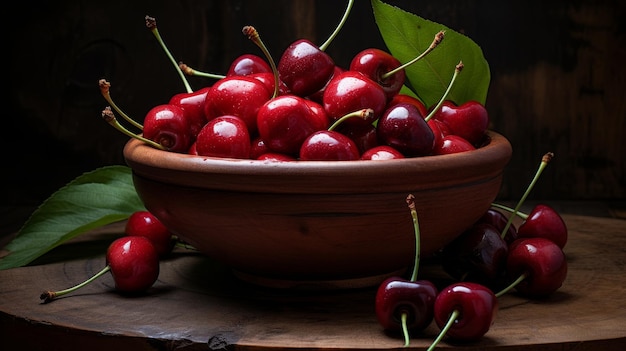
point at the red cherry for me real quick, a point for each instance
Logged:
(542, 262)
(134, 263)
(224, 136)
(247, 64)
(396, 296)
(318, 96)
(275, 156)
(439, 129)
(352, 91)
(305, 68)
(258, 148)
(144, 223)
(410, 100)
(240, 96)
(267, 78)
(374, 63)
(381, 152)
(286, 121)
(327, 145)
(168, 125)
(544, 222)
(403, 127)
(452, 144)
(469, 120)
(364, 136)
(193, 105)
(499, 221)
(472, 307)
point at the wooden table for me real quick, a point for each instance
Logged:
(199, 305)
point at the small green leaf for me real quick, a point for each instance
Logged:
(407, 35)
(94, 199)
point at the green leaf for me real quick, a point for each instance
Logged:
(94, 199)
(407, 35)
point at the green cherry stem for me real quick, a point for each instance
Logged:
(151, 24)
(194, 72)
(457, 70)
(346, 13)
(109, 117)
(436, 41)
(364, 114)
(444, 330)
(48, 296)
(253, 34)
(512, 285)
(105, 87)
(519, 214)
(544, 162)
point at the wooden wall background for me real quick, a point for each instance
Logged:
(557, 78)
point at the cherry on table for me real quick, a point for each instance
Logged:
(544, 221)
(144, 223)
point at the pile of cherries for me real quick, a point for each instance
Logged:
(307, 107)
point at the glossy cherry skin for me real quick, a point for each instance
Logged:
(499, 221)
(326, 145)
(258, 148)
(134, 263)
(286, 121)
(275, 157)
(193, 105)
(381, 152)
(477, 305)
(144, 223)
(267, 78)
(305, 68)
(439, 129)
(403, 127)
(168, 125)
(452, 144)
(479, 254)
(544, 222)
(318, 96)
(240, 96)
(374, 63)
(400, 97)
(396, 296)
(352, 91)
(469, 120)
(364, 136)
(542, 260)
(224, 136)
(247, 64)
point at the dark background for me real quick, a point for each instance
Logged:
(557, 79)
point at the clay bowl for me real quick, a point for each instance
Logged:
(317, 223)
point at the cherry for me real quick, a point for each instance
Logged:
(247, 64)
(285, 121)
(479, 254)
(403, 127)
(408, 99)
(318, 96)
(381, 152)
(267, 78)
(364, 135)
(224, 136)
(240, 96)
(328, 145)
(539, 265)
(544, 222)
(168, 125)
(469, 120)
(275, 156)
(440, 130)
(497, 219)
(403, 304)
(451, 144)
(144, 223)
(258, 148)
(464, 311)
(133, 262)
(351, 91)
(193, 106)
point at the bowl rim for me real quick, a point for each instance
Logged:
(481, 164)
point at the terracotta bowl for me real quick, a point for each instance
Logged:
(317, 223)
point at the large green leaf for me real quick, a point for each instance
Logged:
(407, 35)
(92, 200)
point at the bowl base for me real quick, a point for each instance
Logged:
(331, 284)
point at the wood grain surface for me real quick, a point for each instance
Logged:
(199, 305)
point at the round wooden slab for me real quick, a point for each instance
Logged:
(199, 305)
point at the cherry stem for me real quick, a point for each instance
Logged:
(48, 296)
(324, 46)
(105, 87)
(410, 200)
(151, 24)
(109, 117)
(457, 70)
(193, 72)
(436, 41)
(544, 162)
(364, 114)
(405, 329)
(442, 333)
(512, 285)
(520, 214)
(253, 35)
